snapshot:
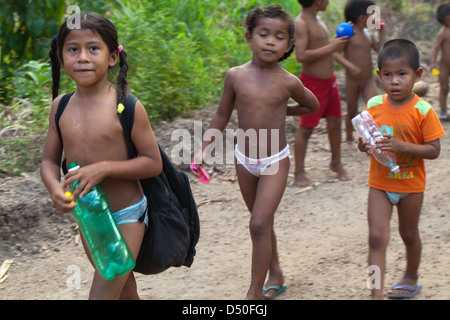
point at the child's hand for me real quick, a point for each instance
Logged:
(88, 177)
(338, 44)
(63, 202)
(199, 158)
(198, 161)
(389, 143)
(363, 146)
(355, 71)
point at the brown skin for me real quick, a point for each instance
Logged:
(93, 138)
(261, 89)
(317, 53)
(442, 44)
(398, 79)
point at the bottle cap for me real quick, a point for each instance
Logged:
(73, 166)
(395, 169)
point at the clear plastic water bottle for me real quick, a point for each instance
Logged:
(369, 130)
(107, 247)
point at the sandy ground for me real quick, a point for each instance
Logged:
(322, 234)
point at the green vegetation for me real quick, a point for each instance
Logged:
(179, 52)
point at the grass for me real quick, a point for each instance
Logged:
(179, 52)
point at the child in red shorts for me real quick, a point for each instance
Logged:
(317, 54)
(327, 92)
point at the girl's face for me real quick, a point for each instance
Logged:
(270, 39)
(398, 80)
(86, 57)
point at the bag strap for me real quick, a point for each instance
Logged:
(61, 107)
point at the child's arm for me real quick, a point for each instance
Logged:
(51, 164)
(436, 48)
(363, 146)
(148, 164)
(307, 101)
(354, 70)
(378, 44)
(223, 113)
(304, 54)
(428, 150)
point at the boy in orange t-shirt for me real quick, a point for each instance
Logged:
(412, 131)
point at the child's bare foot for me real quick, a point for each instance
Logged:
(350, 145)
(339, 169)
(301, 180)
(377, 295)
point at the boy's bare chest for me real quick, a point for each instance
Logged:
(317, 34)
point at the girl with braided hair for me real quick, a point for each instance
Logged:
(93, 137)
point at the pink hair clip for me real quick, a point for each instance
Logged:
(120, 48)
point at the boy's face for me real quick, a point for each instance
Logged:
(362, 20)
(398, 79)
(270, 39)
(322, 4)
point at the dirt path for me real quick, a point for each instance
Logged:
(322, 235)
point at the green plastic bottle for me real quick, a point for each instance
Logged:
(108, 248)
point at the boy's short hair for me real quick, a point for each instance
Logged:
(443, 11)
(356, 8)
(306, 3)
(273, 11)
(400, 49)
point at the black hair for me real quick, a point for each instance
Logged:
(443, 11)
(273, 11)
(400, 49)
(306, 3)
(356, 8)
(101, 26)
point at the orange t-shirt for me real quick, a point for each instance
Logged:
(414, 122)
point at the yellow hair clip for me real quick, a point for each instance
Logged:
(120, 108)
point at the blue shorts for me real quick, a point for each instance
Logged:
(134, 213)
(395, 198)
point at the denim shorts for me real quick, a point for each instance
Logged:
(134, 213)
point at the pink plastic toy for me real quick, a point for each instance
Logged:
(203, 176)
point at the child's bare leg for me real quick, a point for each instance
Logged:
(379, 215)
(262, 198)
(443, 90)
(370, 89)
(276, 277)
(408, 214)
(301, 144)
(352, 95)
(121, 287)
(334, 135)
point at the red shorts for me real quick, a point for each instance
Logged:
(327, 92)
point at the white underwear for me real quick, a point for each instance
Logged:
(257, 166)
